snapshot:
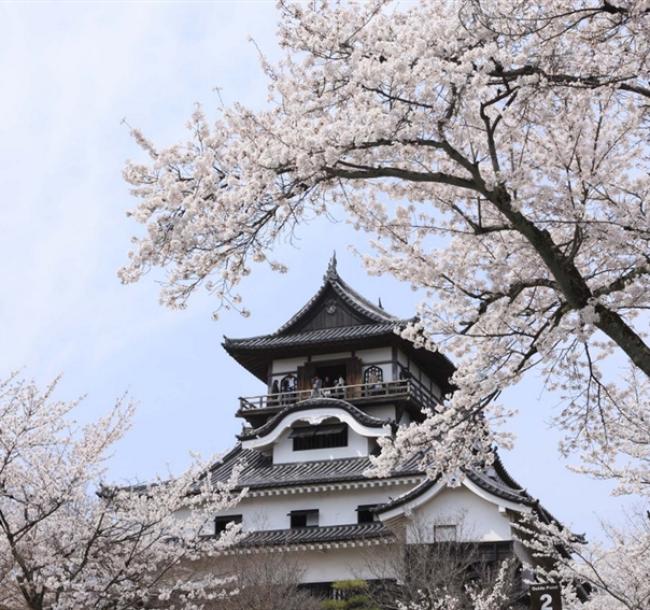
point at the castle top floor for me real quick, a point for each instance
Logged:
(340, 345)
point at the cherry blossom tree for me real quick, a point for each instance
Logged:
(611, 575)
(66, 542)
(497, 152)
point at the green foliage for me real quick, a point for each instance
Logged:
(354, 594)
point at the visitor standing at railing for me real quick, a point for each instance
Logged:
(317, 385)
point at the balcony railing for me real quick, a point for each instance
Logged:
(406, 388)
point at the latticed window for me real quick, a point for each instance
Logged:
(373, 375)
(444, 533)
(319, 437)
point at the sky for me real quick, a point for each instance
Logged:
(72, 72)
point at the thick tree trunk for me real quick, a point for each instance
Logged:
(573, 286)
(618, 331)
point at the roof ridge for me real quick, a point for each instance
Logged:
(503, 473)
(352, 294)
(346, 292)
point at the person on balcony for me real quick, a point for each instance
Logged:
(339, 388)
(317, 387)
(288, 390)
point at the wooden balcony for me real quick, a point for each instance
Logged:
(406, 389)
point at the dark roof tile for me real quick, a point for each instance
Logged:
(259, 472)
(316, 535)
(320, 335)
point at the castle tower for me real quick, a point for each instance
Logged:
(337, 378)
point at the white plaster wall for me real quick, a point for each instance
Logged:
(283, 449)
(287, 365)
(314, 566)
(335, 507)
(401, 357)
(340, 564)
(375, 354)
(478, 519)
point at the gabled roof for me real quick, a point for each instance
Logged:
(315, 403)
(498, 483)
(335, 312)
(359, 304)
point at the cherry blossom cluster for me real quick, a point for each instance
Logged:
(67, 542)
(613, 574)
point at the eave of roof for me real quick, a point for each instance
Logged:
(308, 337)
(259, 472)
(316, 535)
(315, 403)
(505, 488)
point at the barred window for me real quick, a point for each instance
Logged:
(319, 437)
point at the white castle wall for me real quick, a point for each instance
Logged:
(316, 566)
(335, 507)
(283, 449)
(477, 519)
(331, 565)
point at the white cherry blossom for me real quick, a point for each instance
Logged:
(67, 542)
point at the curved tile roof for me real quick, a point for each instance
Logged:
(319, 335)
(316, 535)
(259, 472)
(314, 403)
(502, 486)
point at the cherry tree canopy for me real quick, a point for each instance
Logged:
(498, 152)
(63, 546)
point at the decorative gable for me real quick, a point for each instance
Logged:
(335, 305)
(329, 311)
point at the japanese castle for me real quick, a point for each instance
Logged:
(337, 378)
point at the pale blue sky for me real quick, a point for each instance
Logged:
(70, 73)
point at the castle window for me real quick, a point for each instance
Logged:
(303, 518)
(288, 383)
(365, 513)
(220, 523)
(319, 437)
(373, 378)
(444, 533)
